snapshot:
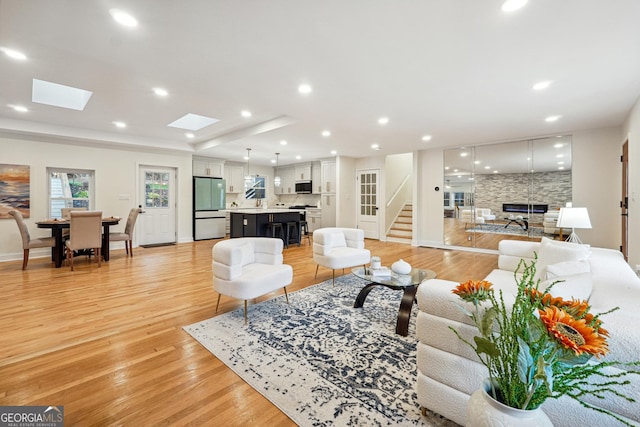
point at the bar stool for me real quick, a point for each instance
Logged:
(293, 236)
(304, 228)
(276, 227)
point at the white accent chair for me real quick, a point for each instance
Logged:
(470, 216)
(335, 247)
(486, 214)
(249, 267)
(28, 242)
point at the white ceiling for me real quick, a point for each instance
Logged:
(458, 70)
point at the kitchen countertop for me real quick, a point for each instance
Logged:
(264, 211)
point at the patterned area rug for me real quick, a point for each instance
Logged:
(512, 229)
(321, 361)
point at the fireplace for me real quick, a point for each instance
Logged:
(524, 208)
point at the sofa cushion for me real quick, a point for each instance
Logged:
(567, 268)
(555, 251)
(575, 286)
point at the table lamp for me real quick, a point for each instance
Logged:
(573, 218)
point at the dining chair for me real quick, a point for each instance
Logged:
(27, 241)
(65, 213)
(127, 235)
(85, 233)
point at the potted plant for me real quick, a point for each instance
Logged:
(539, 347)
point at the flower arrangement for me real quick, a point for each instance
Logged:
(540, 347)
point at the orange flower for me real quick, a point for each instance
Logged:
(573, 334)
(473, 290)
(545, 300)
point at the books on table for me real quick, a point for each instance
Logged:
(381, 272)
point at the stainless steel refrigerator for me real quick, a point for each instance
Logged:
(209, 202)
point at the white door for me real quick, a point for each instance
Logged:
(368, 187)
(157, 224)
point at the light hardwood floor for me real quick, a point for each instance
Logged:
(107, 343)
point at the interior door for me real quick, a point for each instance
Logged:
(624, 204)
(368, 218)
(158, 196)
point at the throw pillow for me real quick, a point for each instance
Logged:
(555, 251)
(567, 268)
(337, 240)
(576, 286)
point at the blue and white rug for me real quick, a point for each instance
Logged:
(321, 361)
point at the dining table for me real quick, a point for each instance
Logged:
(57, 225)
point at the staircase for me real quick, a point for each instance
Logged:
(402, 228)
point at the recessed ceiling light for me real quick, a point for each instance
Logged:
(513, 5)
(273, 160)
(283, 142)
(558, 145)
(58, 95)
(14, 54)
(455, 170)
(192, 122)
(160, 92)
(561, 163)
(375, 146)
(552, 119)
(334, 152)
(245, 113)
(464, 154)
(123, 18)
(189, 135)
(298, 157)
(446, 168)
(477, 162)
(426, 138)
(326, 133)
(495, 171)
(18, 108)
(305, 89)
(383, 120)
(542, 85)
(487, 167)
(561, 168)
(120, 124)
(559, 156)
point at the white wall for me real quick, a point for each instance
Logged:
(346, 192)
(116, 174)
(596, 173)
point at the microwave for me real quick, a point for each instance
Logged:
(303, 187)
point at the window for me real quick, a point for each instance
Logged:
(255, 187)
(69, 189)
(447, 199)
(458, 199)
(156, 189)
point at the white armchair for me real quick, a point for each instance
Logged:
(470, 216)
(335, 247)
(248, 267)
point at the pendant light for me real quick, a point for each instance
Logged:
(247, 178)
(276, 179)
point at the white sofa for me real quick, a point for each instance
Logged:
(476, 216)
(448, 370)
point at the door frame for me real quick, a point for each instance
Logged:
(380, 223)
(624, 202)
(140, 199)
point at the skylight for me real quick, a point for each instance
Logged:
(193, 122)
(58, 95)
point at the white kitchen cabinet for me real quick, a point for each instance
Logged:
(314, 217)
(234, 177)
(316, 178)
(328, 177)
(328, 210)
(287, 179)
(302, 172)
(203, 167)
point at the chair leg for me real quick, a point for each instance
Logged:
(130, 248)
(70, 256)
(218, 303)
(25, 259)
(333, 279)
(99, 257)
(126, 246)
(316, 276)
(245, 312)
(285, 294)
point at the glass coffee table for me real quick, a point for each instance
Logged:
(400, 282)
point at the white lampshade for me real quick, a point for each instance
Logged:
(573, 218)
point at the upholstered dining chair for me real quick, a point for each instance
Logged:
(27, 242)
(248, 267)
(335, 247)
(65, 213)
(85, 233)
(127, 235)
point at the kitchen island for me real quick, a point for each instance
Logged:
(253, 222)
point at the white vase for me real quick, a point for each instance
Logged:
(401, 267)
(484, 411)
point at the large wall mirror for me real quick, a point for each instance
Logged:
(505, 191)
